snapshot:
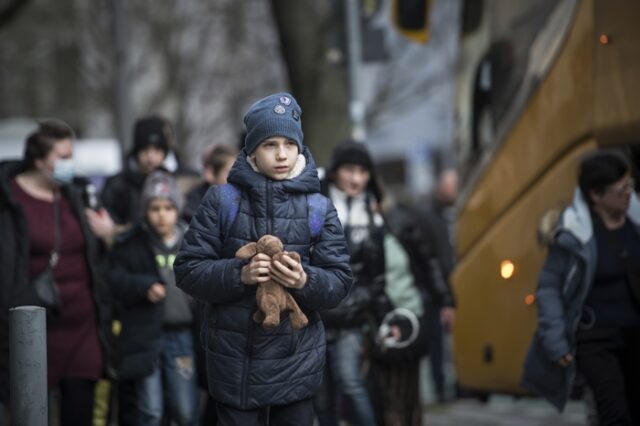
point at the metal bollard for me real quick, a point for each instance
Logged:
(28, 365)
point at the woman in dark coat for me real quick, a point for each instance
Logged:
(77, 339)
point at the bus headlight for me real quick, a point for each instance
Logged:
(507, 269)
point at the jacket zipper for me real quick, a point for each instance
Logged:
(570, 275)
(269, 213)
(247, 363)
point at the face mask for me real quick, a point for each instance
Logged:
(63, 171)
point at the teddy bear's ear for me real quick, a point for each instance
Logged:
(294, 255)
(247, 251)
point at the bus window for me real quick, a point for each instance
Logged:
(523, 38)
(515, 25)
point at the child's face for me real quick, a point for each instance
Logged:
(221, 177)
(150, 159)
(352, 179)
(275, 157)
(162, 216)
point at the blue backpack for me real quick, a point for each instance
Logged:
(230, 205)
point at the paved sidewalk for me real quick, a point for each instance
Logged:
(504, 411)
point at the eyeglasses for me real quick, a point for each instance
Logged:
(623, 189)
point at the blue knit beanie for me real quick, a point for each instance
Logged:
(276, 115)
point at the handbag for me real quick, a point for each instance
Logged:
(413, 343)
(411, 321)
(44, 285)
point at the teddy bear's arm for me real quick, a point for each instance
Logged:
(247, 251)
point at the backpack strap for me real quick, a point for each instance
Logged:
(317, 210)
(229, 206)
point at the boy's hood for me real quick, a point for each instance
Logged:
(243, 175)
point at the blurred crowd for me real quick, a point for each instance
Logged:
(131, 341)
(124, 342)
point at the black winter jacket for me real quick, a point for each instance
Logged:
(121, 196)
(248, 366)
(193, 199)
(367, 299)
(132, 270)
(15, 288)
(427, 244)
(435, 224)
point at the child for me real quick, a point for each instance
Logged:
(155, 346)
(250, 368)
(215, 168)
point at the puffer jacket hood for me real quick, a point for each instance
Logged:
(576, 220)
(244, 175)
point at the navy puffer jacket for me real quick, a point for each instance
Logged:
(248, 366)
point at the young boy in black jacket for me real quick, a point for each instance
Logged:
(155, 346)
(251, 368)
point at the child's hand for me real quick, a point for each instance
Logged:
(290, 273)
(156, 292)
(256, 271)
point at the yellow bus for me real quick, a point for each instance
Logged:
(541, 83)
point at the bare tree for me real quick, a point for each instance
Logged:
(304, 28)
(10, 10)
(40, 57)
(197, 62)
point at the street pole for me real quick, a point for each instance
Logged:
(28, 366)
(119, 27)
(354, 53)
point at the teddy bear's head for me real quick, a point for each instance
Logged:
(269, 245)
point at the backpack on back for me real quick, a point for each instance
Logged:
(230, 196)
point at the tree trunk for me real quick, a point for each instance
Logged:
(319, 87)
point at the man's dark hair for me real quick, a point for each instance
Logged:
(40, 143)
(217, 158)
(600, 169)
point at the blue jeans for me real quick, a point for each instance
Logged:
(436, 351)
(344, 356)
(174, 380)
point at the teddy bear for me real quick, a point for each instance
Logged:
(272, 297)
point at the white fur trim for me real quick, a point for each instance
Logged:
(357, 215)
(634, 209)
(301, 163)
(253, 164)
(577, 218)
